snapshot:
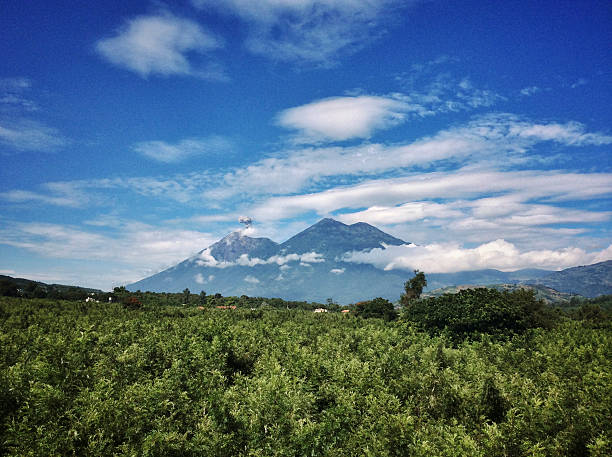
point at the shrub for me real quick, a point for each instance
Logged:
(378, 307)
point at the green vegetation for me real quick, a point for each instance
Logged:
(379, 307)
(19, 287)
(472, 312)
(97, 379)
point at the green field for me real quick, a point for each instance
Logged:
(103, 379)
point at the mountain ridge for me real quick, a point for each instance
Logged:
(310, 266)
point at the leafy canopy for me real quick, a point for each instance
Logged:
(378, 307)
(480, 310)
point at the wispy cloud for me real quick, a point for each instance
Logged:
(18, 132)
(162, 151)
(494, 142)
(16, 84)
(579, 82)
(23, 196)
(499, 140)
(319, 31)
(162, 44)
(12, 96)
(529, 91)
(442, 91)
(29, 135)
(132, 243)
(554, 186)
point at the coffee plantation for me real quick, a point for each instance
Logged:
(103, 379)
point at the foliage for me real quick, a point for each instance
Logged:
(101, 379)
(378, 307)
(474, 311)
(413, 288)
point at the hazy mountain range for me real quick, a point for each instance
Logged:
(310, 266)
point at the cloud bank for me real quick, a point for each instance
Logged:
(452, 257)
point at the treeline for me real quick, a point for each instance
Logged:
(25, 288)
(186, 298)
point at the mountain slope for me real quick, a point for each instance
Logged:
(588, 280)
(550, 296)
(235, 244)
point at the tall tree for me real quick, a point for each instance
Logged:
(413, 288)
(186, 296)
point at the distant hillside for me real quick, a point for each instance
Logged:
(550, 296)
(21, 287)
(483, 277)
(589, 280)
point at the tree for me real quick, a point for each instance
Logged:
(203, 300)
(8, 288)
(378, 307)
(413, 288)
(186, 296)
(474, 311)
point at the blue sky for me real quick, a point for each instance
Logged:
(134, 134)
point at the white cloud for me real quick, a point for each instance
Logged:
(206, 259)
(408, 212)
(337, 271)
(343, 118)
(312, 257)
(251, 279)
(571, 133)
(452, 257)
(301, 31)
(182, 150)
(161, 44)
(28, 135)
(199, 278)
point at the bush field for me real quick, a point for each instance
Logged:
(101, 379)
